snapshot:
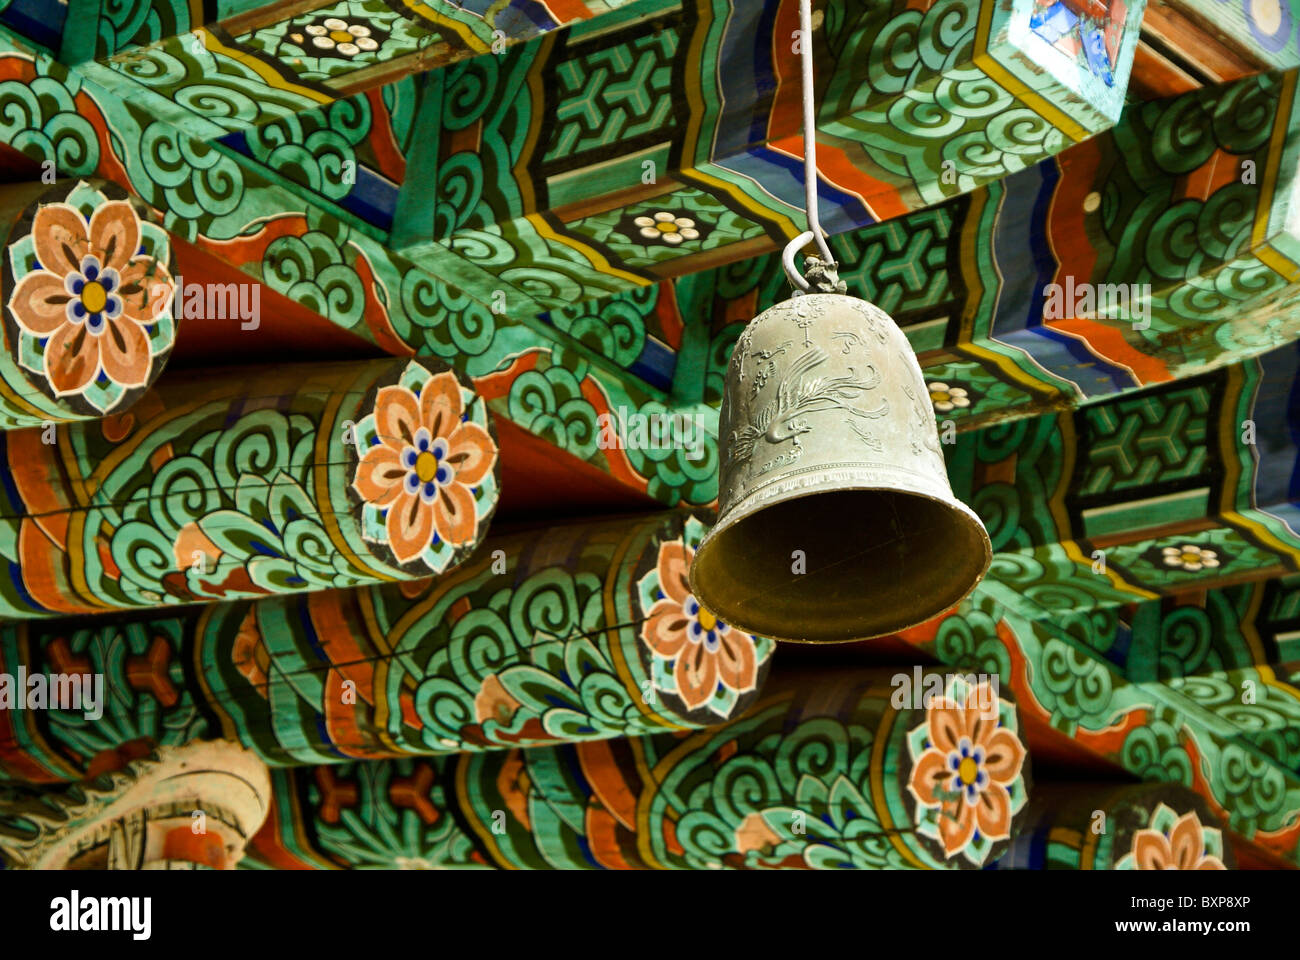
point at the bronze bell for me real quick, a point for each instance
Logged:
(836, 521)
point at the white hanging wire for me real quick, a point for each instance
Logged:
(814, 231)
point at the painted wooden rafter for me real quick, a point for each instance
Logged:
(250, 484)
(435, 33)
(1106, 826)
(1258, 34)
(872, 790)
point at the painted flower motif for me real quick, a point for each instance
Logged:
(92, 297)
(1190, 558)
(667, 227)
(966, 769)
(424, 465)
(1174, 843)
(946, 398)
(333, 35)
(706, 652)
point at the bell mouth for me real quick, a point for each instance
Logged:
(873, 562)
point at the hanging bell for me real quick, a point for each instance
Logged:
(836, 520)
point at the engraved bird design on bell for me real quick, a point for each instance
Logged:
(784, 417)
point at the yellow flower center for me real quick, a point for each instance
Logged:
(94, 297)
(1191, 558)
(426, 467)
(666, 226)
(340, 36)
(707, 620)
(968, 770)
(939, 396)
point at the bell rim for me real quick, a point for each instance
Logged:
(863, 475)
(967, 515)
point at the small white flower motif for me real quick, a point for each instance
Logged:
(341, 37)
(945, 397)
(667, 227)
(1190, 558)
(413, 863)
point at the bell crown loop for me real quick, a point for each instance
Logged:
(836, 518)
(822, 276)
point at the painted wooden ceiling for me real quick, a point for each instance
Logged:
(557, 213)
